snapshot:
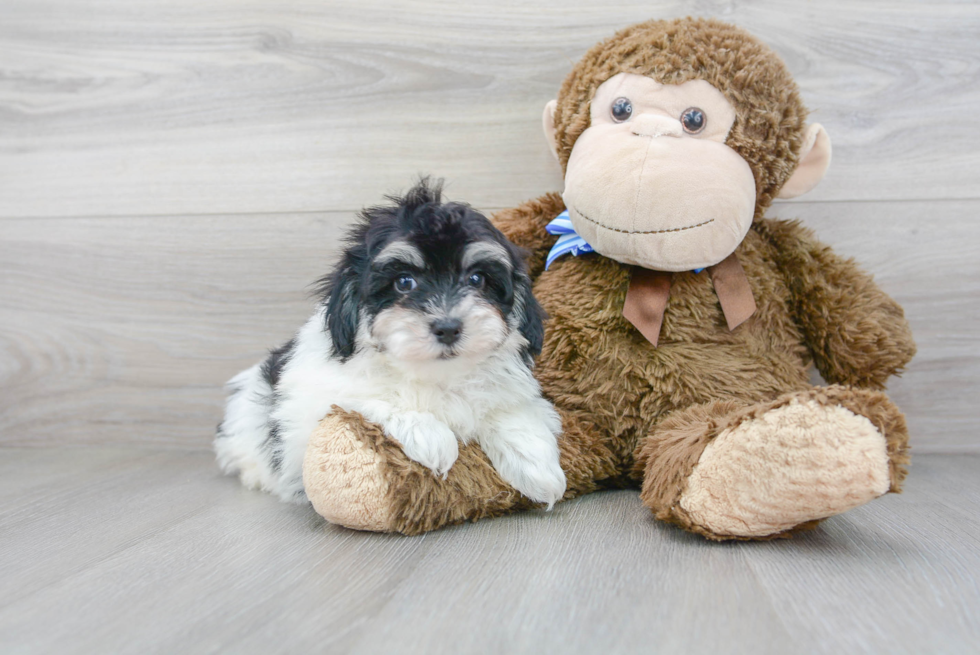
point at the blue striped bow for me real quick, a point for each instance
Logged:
(568, 240)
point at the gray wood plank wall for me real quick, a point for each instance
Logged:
(173, 174)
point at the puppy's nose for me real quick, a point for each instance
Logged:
(447, 330)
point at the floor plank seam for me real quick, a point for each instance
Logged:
(355, 210)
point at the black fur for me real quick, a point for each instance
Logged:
(274, 445)
(271, 369)
(274, 363)
(532, 325)
(440, 231)
(342, 314)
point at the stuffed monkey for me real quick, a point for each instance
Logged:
(682, 321)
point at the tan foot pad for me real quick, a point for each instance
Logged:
(344, 478)
(796, 463)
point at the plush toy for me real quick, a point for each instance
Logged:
(682, 322)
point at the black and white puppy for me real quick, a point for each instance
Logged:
(428, 327)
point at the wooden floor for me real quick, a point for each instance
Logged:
(175, 173)
(123, 550)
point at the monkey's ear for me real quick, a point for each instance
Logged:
(814, 160)
(548, 121)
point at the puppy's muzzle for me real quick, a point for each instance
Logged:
(447, 330)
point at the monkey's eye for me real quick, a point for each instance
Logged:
(476, 280)
(693, 120)
(621, 109)
(405, 283)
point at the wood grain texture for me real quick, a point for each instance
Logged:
(123, 330)
(210, 106)
(146, 551)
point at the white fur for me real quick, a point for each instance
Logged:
(479, 250)
(400, 251)
(247, 419)
(396, 378)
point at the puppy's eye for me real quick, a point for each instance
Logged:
(621, 109)
(476, 280)
(693, 120)
(405, 283)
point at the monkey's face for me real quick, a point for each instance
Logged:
(651, 181)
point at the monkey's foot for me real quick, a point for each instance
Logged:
(358, 477)
(768, 470)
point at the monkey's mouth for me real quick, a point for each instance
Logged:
(664, 231)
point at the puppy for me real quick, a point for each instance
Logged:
(427, 327)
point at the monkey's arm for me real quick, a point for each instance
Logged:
(857, 334)
(525, 226)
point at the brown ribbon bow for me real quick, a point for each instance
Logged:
(646, 298)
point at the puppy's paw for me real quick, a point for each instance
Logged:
(541, 482)
(525, 454)
(424, 439)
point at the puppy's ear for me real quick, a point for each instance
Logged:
(532, 320)
(343, 312)
(532, 316)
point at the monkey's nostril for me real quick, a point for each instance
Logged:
(447, 331)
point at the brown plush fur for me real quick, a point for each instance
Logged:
(640, 414)
(856, 334)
